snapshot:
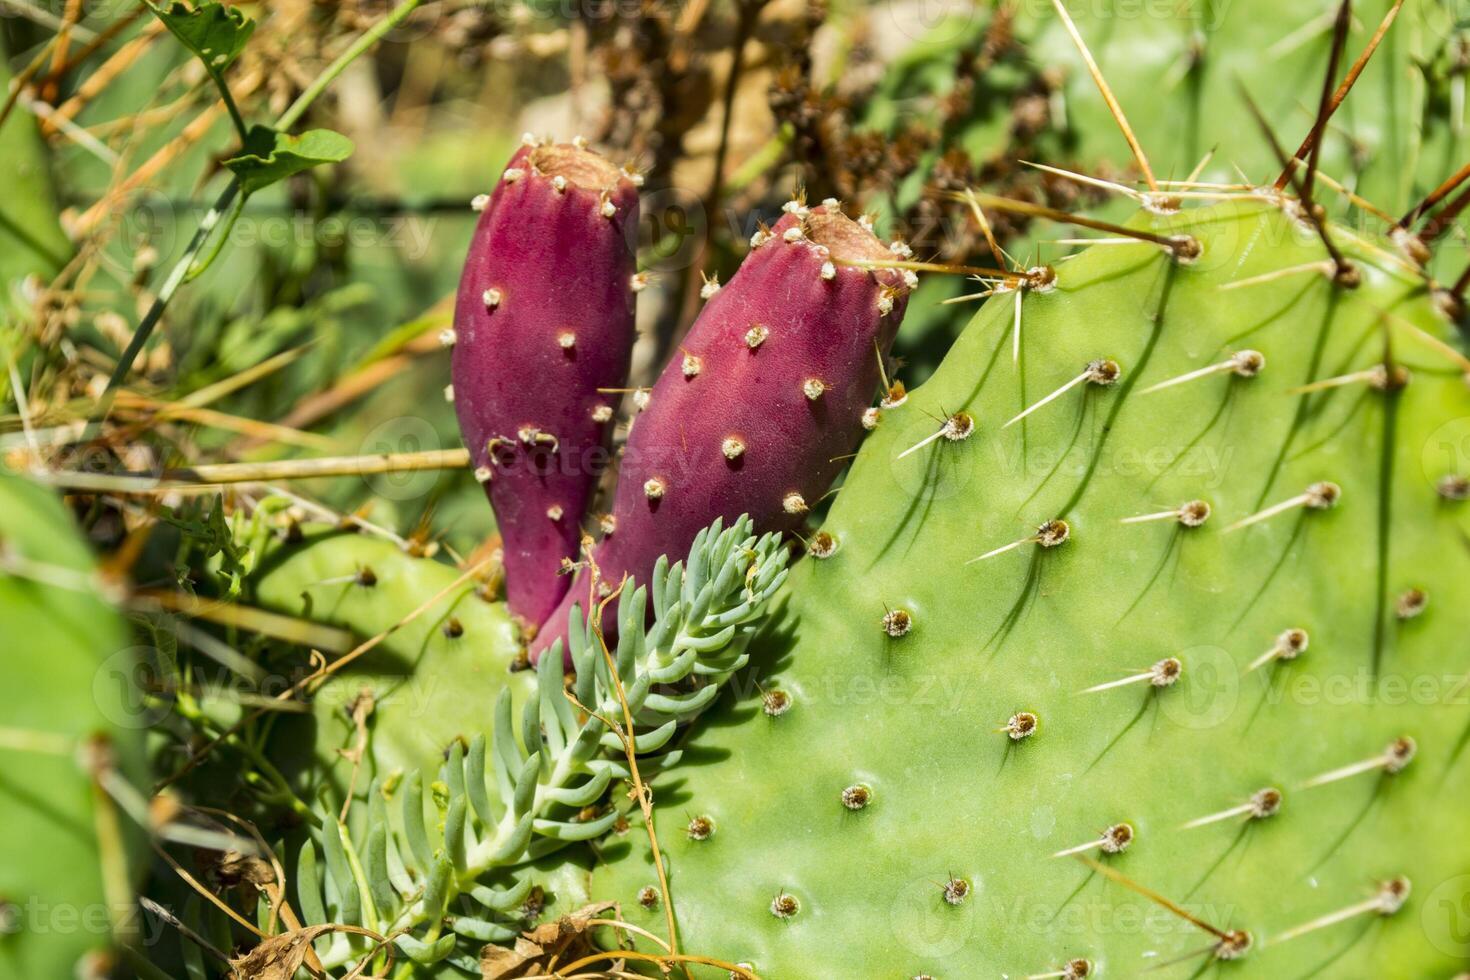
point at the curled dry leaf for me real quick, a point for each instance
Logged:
(536, 950)
(277, 957)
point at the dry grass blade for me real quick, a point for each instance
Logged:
(1108, 97)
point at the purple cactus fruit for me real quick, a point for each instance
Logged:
(543, 320)
(766, 396)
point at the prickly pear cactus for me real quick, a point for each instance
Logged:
(770, 392)
(543, 329)
(65, 732)
(1133, 641)
(430, 681)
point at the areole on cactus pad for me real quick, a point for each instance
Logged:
(771, 389)
(1168, 672)
(543, 327)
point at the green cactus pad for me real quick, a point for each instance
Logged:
(434, 680)
(876, 814)
(62, 893)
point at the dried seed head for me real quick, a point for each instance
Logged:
(448, 337)
(1247, 363)
(1265, 803)
(1117, 838)
(480, 202)
(784, 906)
(1021, 725)
(794, 503)
(602, 413)
(756, 335)
(654, 488)
(871, 418)
(1399, 754)
(452, 629)
(897, 622)
(1233, 945)
(1103, 371)
(775, 702)
(692, 366)
(1166, 672)
(823, 545)
(1454, 487)
(1411, 603)
(733, 447)
(648, 897)
(482, 474)
(1292, 643)
(566, 340)
(956, 890)
(1053, 533)
(491, 298)
(700, 828)
(857, 796)
(1323, 495)
(813, 388)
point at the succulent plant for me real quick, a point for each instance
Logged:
(71, 741)
(543, 329)
(1042, 701)
(442, 855)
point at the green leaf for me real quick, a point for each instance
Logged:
(269, 156)
(213, 33)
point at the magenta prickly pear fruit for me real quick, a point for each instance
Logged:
(543, 320)
(765, 397)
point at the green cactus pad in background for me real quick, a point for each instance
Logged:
(69, 854)
(924, 731)
(432, 681)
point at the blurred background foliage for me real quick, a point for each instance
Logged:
(114, 139)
